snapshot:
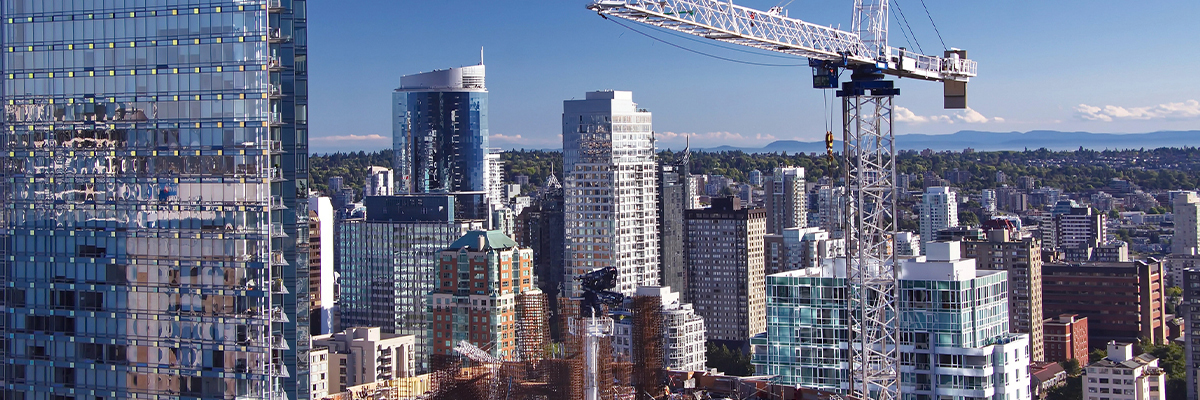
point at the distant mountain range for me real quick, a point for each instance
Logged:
(994, 141)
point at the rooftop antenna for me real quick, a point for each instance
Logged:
(480, 55)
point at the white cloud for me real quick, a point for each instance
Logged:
(713, 138)
(967, 116)
(355, 138)
(1185, 110)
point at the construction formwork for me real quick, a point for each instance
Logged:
(649, 377)
(533, 334)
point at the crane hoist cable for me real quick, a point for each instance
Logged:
(935, 29)
(909, 31)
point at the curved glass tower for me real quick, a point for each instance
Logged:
(154, 181)
(440, 131)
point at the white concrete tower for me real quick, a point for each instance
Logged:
(939, 210)
(610, 185)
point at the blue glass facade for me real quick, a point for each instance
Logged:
(153, 172)
(440, 132)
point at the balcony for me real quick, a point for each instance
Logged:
(277, 203)
(277, 175)
(277, 258)
(274, 119)
(277, 315)
(276, 36)
(278, 370)
(277, 231)
(275, 64)
(275, 6)
(278, 343)
(277, 287)
(274, 91)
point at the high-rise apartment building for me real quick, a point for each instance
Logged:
(939, 210)
(1066, 338)
(1190, 311)
(495, 178)
(154, 183)
(725, 259)
(672, 195)
(1186, 207)
(953, 329)
(1123, 301)
(610, 188)
(440, 132)
(1079, 227)
(831, 210)
(787, 200)
(482, 276)
(1022, 258)
(379, 182)
(908, 244)
(389, 263)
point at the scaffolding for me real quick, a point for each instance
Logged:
(649, 377)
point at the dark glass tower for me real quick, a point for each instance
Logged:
(154, 162)
(440, 131)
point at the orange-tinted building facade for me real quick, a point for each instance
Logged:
(1066, 337)
(481, 277)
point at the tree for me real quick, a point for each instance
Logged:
(730, 362)
(1097, 355)
(967, 218)
(1072, 390)
(1071, 366)
(1171, 360)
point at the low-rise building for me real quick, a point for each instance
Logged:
(318, 372)
(1123, 376)
(363, 355)
(1066, 337)
(1046, 376)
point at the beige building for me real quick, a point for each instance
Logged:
(1122, 376)
(1022, 258)
(363, 355)
(725, 256)
(318, 372)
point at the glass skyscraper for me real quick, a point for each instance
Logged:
(440, 131)
(154, 180)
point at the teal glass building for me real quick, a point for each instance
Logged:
(153, 174)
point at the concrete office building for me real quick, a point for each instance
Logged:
(725, 259)
(154, 190)
(389, 263)
(611, 186)
(939, 210)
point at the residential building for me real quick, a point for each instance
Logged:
(1111, 251)
(953, 329)
(908, 244)
(1176, 264)
(320, 265)
(988, 197)
(831, 210)
(1190, 311)
(440, 131)
(1122, 301)
(1186, 208)
(953, 326)
(725, 259)
(318, 371)
(379, 182)
(1046, 376)
(1079, 227)
(683, 338)
(362, 355)
(672, 195)
(1123, 376)
(540, 228)
(145, 152)
(756, 177)
(1022, 258)
(939, 210)
(495, 178)
(483, 275)
(787, 200)
(610, 188)
(1066, 338)
(809, 248)
(389, 264)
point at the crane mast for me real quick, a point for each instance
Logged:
(869, 143)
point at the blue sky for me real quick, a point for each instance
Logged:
(1097, 66)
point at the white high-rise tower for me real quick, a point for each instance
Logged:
(939, 210)
(610, 189)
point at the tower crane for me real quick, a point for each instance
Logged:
(869, 144)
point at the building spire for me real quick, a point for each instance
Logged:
(480, 55)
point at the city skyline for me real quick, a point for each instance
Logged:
(541, 54)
